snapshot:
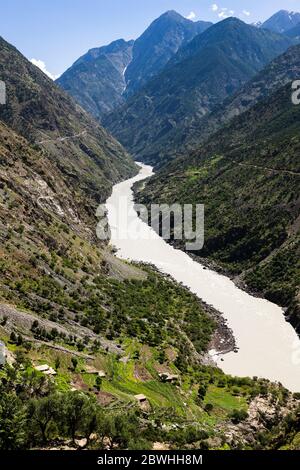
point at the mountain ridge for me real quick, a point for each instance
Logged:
(200, 76)
(157, 45)
(97, 79)
(48, 118)
(96, 84)
(247, 175)
(282, 21)
(283, 69)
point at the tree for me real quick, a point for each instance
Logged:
(96, 346)
(13, 337)
(162, 356)
(208, 408)
(21, 358)
(57, 363)
(19, 340)
(91, 420)
(136, 354)
(74, 361)
(42, 412)
(35, 325)
(202, 392)
(12, 422)
(120, 430)
(237, 416)
(79, 414)
(98, 383)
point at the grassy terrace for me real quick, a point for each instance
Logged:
(128, 376)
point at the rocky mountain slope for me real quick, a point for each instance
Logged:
(51, 263)
(247, 175)
(213, 66)
(106, 330)
(157, 45)
(67, 302)
(103, 78)
(294, 32)
(97, 79)
(282, 70)
(63, 296)
(109, 331)
(282, 21)
(62, 292)
(90, 159)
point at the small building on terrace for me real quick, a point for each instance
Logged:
(140, 398)
(46, 370)
(169, 378)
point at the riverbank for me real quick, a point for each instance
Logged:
(267, 345)
(223, 340)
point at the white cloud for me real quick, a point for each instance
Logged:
(42, 66)
(222, 15)
(191, 16)
(246, 13)
(222, 12)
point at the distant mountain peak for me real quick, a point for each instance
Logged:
(282, 21)
(289, 12)
(232, 19)
(105, 76)
(157, 45)
(172, 14)
(205, 71)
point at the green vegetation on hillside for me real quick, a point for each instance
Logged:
(76, 410)
(247, 175)
(76, 148)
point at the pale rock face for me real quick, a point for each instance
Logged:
(2, 354)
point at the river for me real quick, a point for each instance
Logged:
(268, 345)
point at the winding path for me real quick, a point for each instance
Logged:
(63, 139)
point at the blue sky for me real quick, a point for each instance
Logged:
(57, 32)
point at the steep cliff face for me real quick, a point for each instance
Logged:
(97, 80)
(282, 70)
(247, 175)
(102, 79)
(282, 21)
(90, 159)
(210, 68)
(157, 45)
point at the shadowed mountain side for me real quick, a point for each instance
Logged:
(213, 66)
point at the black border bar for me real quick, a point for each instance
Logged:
(141, 459)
